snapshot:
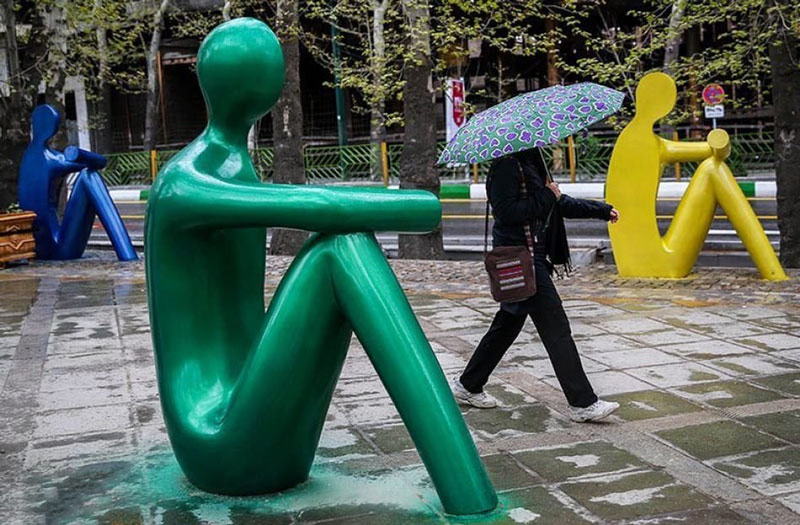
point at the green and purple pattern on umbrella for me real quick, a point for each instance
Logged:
(531, 120)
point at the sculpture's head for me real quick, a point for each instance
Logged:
(655, 97)
(240, 68)
(45, 122)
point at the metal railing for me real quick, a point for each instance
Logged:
(584, 159)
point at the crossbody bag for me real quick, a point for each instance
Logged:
(512, 277)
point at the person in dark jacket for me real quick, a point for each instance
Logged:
(544, 209)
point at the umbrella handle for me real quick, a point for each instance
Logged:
(548, 178)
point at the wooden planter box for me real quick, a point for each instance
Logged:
(16, 237)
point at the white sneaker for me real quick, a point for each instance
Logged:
(594, 412)
(465, 397)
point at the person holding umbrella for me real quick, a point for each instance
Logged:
(529, 209)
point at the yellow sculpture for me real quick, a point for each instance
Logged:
(634, 173)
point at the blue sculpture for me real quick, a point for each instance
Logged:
(41, 169)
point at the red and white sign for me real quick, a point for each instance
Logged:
(455, 116)
(713, 95)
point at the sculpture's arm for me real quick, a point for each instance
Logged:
(63, 167)
(210, 202)
(673, 151)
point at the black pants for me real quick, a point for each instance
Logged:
(551, 322)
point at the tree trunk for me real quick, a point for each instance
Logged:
(784, 57)
(101, 125)
(287, 124)
(696, 130)
(672, 50)
(377, 129)
(15, 109)
(418, 160)
(14, 136)
(552, 65)
(151, 106)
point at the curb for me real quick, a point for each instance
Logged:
(583, 190)
(666, 190)
(129, 195)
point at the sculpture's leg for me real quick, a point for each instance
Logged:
(744, 221)
(76, 225)
(109, 216)
(379, 312)
(689, 227)
(266, 437)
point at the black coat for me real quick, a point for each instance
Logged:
(541, 210)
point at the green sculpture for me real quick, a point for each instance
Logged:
(245, 394)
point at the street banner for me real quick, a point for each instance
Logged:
(454, 116)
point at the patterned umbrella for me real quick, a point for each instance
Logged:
(530, 120)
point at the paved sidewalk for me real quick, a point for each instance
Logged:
(707, 370)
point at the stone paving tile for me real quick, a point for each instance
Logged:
(769, 472)
(772, 341)
(543, 368)
(679, 374)
(785, 425)
(724, 394)
(651, 404)
(792, 501)
(530, 356)
(783, 323)
(342, 443)
(668, 336)
(732, 331)
(792, 355)
(82, 420)
(508, 396)
(504, 422)
(747, 313)
(693, 318)
(635, 495)
(593, 311)
(77, 449)
(607, 343)
(532, 505)
(54, 380)
(721, 438)
(371, 412)
(788, 383)
(610, 383)
(84, 397)
(455, 317)
(706, 349)
(574, 462)
(639, 357)
(582, 330)
(752, 365)
(651, 307)
(382, 517)
(390, 439)
(506, 474)
(633, 325)
(715, 516)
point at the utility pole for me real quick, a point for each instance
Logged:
(341, 122)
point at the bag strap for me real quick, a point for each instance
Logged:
(523, 189)
(486, 221)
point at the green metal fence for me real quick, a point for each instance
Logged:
(750, 153)
(127, 168)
